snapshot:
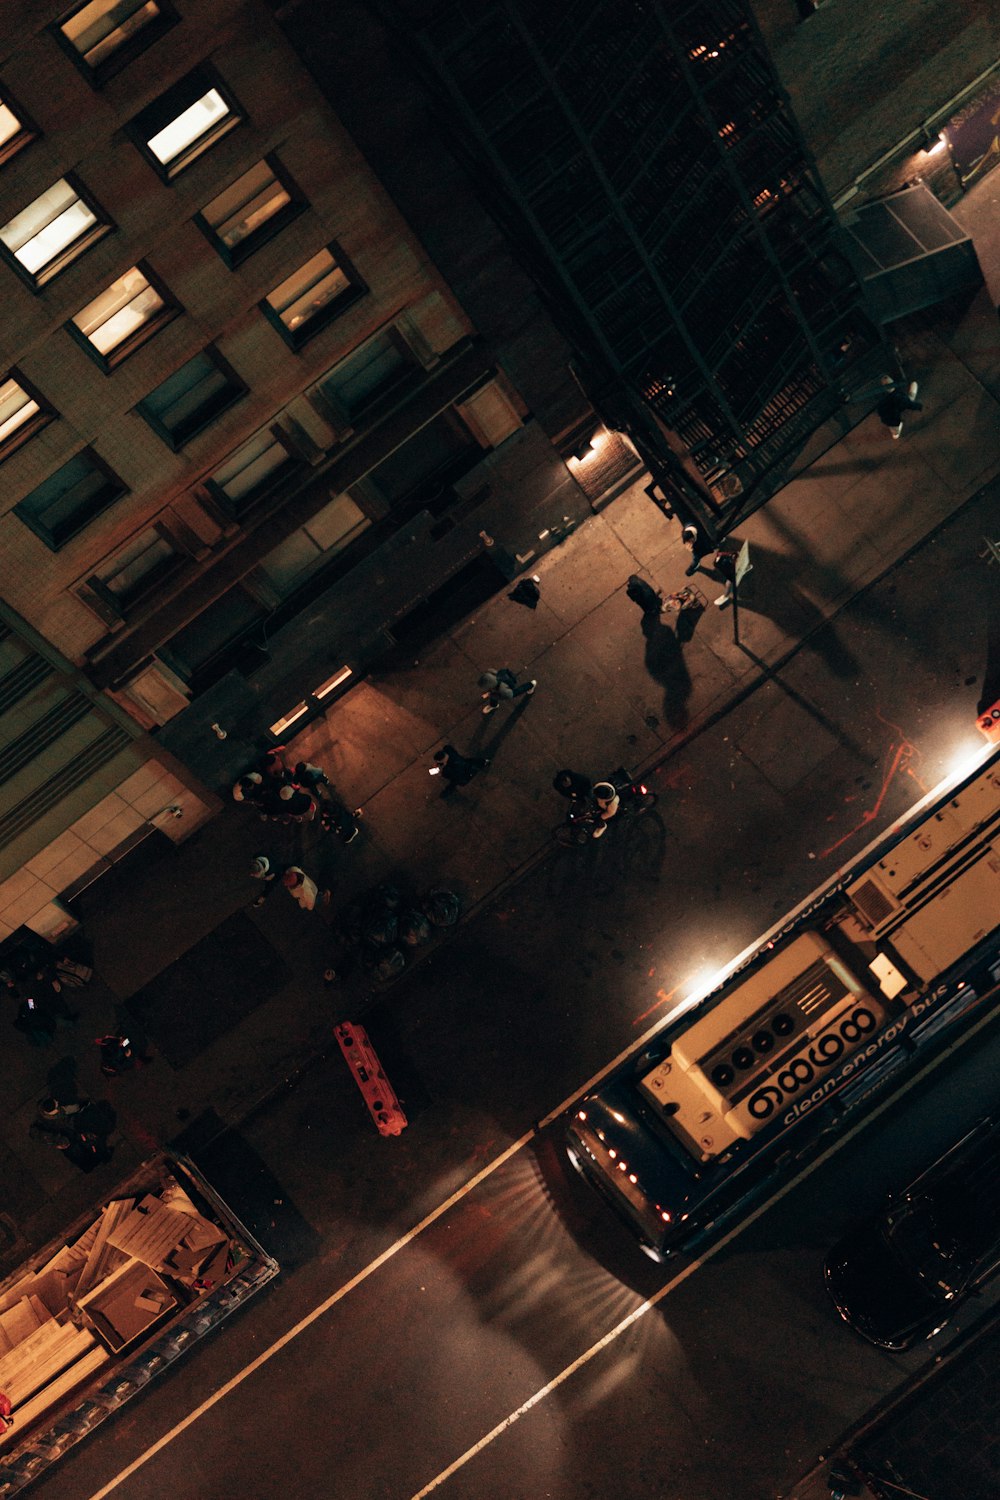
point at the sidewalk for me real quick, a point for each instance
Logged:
(252, 1007)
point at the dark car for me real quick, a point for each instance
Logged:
(899, 1277)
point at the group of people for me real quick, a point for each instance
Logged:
(301, 887)
(298, 793)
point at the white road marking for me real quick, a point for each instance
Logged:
(376, 1264)
(713, 1249)
(456, 1197)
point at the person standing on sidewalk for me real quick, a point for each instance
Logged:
(894, 403)
(457, 769)
(649, 600)
(725, 566)
(334, 815)
(700, 543)
(501, 686)
(303, 889)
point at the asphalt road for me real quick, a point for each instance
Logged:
(733, 1379)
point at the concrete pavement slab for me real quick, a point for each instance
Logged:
(961, 442)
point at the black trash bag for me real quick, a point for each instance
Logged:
(388, 896)
(414, 928)
(443, 908)
(391, 962)
(381, 928)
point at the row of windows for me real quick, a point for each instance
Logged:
(64, 221)
(68, 500)
(137, 305)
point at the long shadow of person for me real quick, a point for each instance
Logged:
(666, 665)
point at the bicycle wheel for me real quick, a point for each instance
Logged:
(571, 835)
(646, 801)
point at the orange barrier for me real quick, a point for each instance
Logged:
(379, 1094)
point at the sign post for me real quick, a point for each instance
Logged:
(743, 566)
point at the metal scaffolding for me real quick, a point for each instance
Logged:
(644, 161)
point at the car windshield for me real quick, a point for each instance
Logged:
(936, 1239)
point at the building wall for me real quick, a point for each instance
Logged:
(83, 133)
(862, 76)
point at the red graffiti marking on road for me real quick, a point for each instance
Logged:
(901, 760)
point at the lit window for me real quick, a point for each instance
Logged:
(184, 122)
(122, 318)
(104, 35)
(307, 300)
(15, 131)
(44, 237)
(253, 469)
(143, 566)
(187, 401)
(69, 499)
(250, 211)
(22, 413)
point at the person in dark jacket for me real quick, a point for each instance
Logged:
(573, 785)
(649, 600)
(457, 769)
(501, 686)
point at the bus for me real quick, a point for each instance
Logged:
(839, 1003)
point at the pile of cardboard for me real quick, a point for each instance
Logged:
(140, 1259)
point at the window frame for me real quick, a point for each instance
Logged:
(117, 356)
(162, 113)
(127, 52)
(237, 385)
(237, 509)
(112, 609)
(60, 262)
(28, 132)
(343, 418)
(55, 541)
(39, 419)
(235, 256)
(356, 288)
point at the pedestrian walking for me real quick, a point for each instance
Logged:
(573, 785)
(302, 888)
(457, 769)
(894, 403)
(649, 600)
(501, 686)
(701, 545)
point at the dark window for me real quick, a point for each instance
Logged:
(252, 209)
(307, 300)
(185, 121)
(192, 397)
(364, 377)
(103, 35)
(428, 463)
(44, 238)
(253, 469)
(15, 129)
(22, 412)
(124, 316)
(149, 560)
(69, 499)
